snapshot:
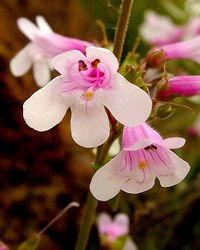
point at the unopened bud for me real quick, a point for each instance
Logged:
(155, 59)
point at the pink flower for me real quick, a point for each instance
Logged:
(159, 30)
(44, 46)
(3, 246)
(86, 85)
(144, 157)
(112, 229)
(188, 49)
(192, 27)
(180, 85)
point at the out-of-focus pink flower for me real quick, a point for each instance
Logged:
(44, 45)
(192, 28)
(3, 246)
(112, 229)
(86, 85)
(188, 49)
(159, 30)
(144, 157)
(181, 86)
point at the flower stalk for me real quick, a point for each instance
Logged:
(91, 203)
(122, 26)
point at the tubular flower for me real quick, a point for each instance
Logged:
(144, 157)
(114, 233)
(180, 85)
(86, 85)
(112, 229)
(189, 49)
(159, 30)
(44, 45)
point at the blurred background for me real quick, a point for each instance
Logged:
(40, 173)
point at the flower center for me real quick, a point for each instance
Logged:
(92, 74)
(88, 76)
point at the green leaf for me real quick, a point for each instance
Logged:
(31, 243)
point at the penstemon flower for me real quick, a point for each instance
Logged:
(87, 84)
(114, 233)
(159, 30)
(112, 229)
(180, 85)
(189, 49)
(44, 45)
(145, 156)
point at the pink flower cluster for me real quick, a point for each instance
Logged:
(90, 86)
(159, 30)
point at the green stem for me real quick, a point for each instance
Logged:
(122, 27)
(86, 222)
(91, 203)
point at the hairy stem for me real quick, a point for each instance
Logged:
(122, 26)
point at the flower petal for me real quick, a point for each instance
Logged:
(89, 124)
(122, 221)
(41, 72)
(103, 221)
(129, 245)
(67, 59)
(139, 145)
(28, 28)
(134, 187)
(46, 107)
(173, 142)
(43, 25)
(129, 104)
(104, 55)
(181, 168)
(21, 62)
(107, 182)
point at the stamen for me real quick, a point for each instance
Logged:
(142, 164)
(95, 63)
(82, 66)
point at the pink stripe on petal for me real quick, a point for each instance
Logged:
(107, 182)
